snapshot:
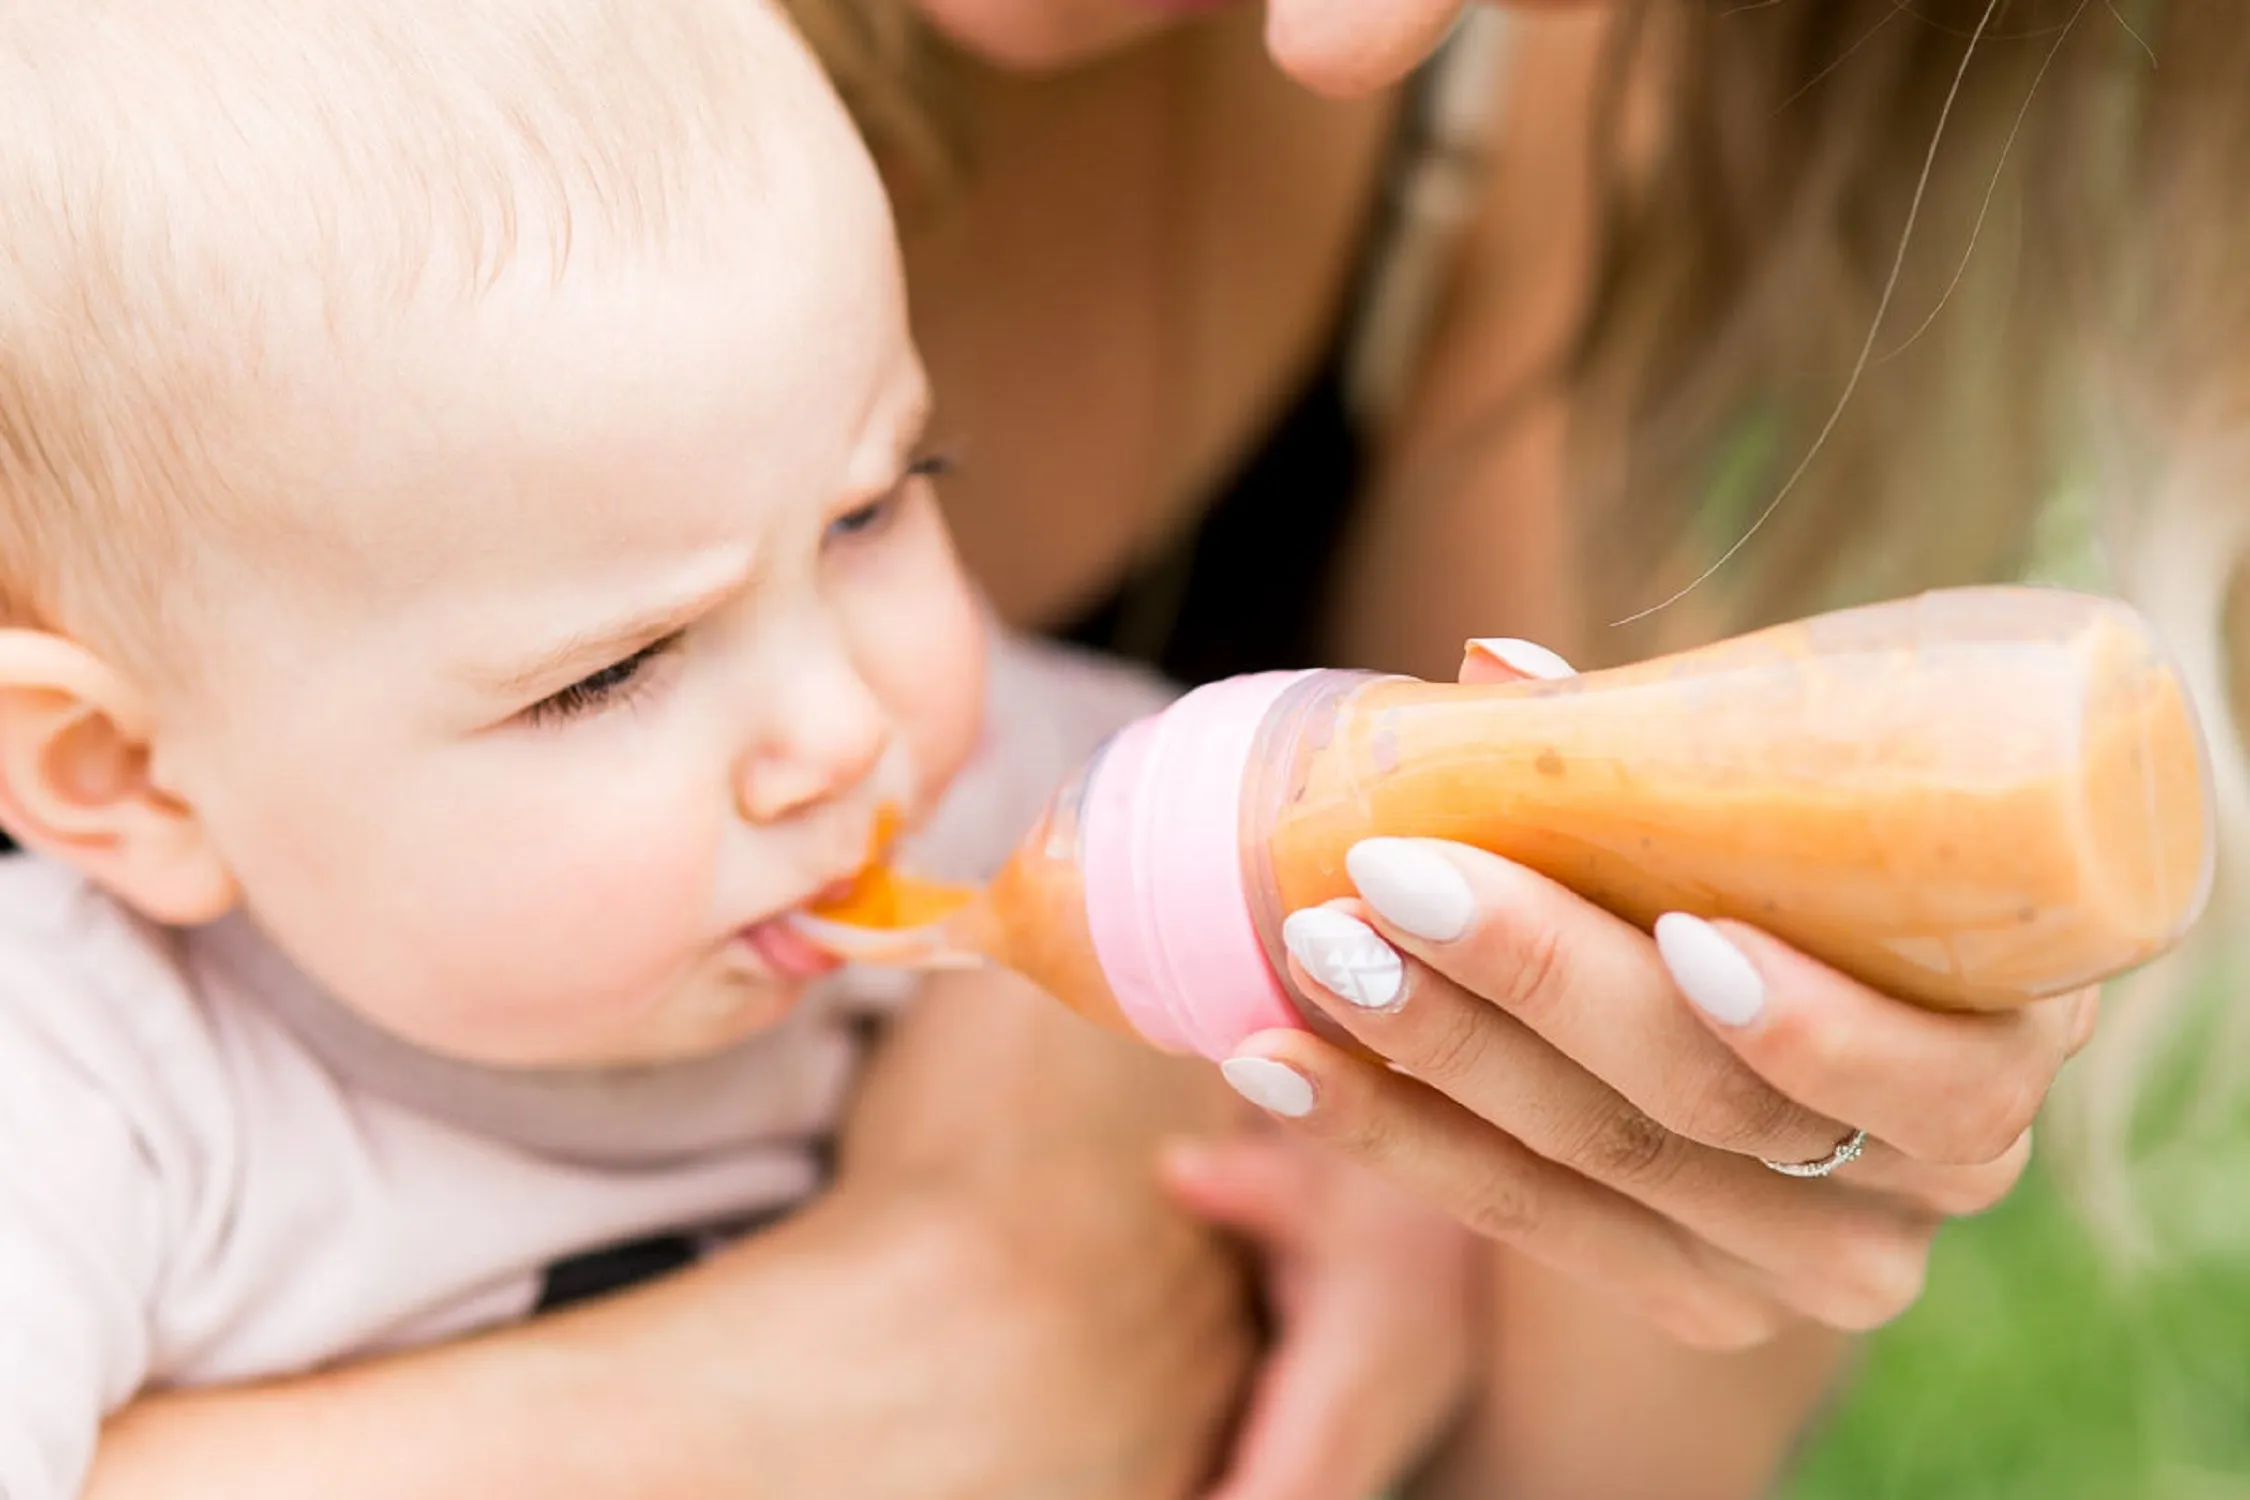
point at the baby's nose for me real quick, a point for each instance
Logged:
(826, 739)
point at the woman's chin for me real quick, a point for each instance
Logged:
(1051, 36)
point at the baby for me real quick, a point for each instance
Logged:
(468, 569)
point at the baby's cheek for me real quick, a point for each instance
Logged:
(945, 732)
(925, 658)
(591, 912)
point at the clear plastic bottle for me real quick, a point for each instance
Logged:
(1972, 799)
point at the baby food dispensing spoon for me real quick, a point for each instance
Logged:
(1970, 799)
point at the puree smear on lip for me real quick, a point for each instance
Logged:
(881, 898)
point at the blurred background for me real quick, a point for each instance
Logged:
(2089, 1339)
(2040, 1365)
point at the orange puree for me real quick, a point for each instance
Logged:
(882, 898)
(1034, 922)
(1971, 798)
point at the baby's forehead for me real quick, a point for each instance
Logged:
(197, 202)
(214, 155)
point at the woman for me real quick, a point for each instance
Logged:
(1690, 315)
(1152, 252)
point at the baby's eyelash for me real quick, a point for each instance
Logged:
(863, 520)
(596, 690)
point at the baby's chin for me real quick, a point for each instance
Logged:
(713, 1011)
(717, 1011)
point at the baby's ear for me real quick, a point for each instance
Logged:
(75, 782)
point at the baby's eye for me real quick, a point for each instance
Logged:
(596, 690)
(863, 520)
(869, 519)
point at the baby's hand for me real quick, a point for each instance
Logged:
(1375, 1296)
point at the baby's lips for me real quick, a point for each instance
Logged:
(923, 947)
(884, 917)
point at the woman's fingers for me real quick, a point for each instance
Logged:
(1847, 1256)
(1592, 985)
(1496, 1067)
(1503, 1190)
(1944, 1191)
(1941, 1087)
(1813, 1025)
(1849, 1251)
(1313, 1429)
(1682, 1250)
(1370, 1291)
(1261, 1186)
(1804, 1054)
(1502, 1072)
(1508, 659)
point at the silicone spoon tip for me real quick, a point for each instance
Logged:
(930, 946)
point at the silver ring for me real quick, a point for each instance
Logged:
(1847, 1151)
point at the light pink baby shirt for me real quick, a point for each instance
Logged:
(210, 1173)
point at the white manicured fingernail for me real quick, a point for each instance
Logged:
(1345, 956)
(1269, 1085)
(1527, 658)
(1413, 887)
(1709, 970)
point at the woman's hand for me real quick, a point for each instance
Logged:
(1601, 1100)
(1074, 1332)
(1374, 1296)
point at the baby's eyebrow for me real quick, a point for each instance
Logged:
(916, 427)
(910, 405)
(595, 647)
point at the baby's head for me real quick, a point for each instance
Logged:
(459, 499)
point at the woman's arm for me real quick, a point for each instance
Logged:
(765, 1373)
(678, 1389)
(995, 1301)
(1583, 1401)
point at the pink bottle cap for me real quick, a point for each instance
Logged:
(1160, 846)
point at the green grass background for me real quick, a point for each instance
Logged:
(2036, 1367)
(2039, 1366)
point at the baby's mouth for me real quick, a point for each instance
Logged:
(778, 942)
(785, 951)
